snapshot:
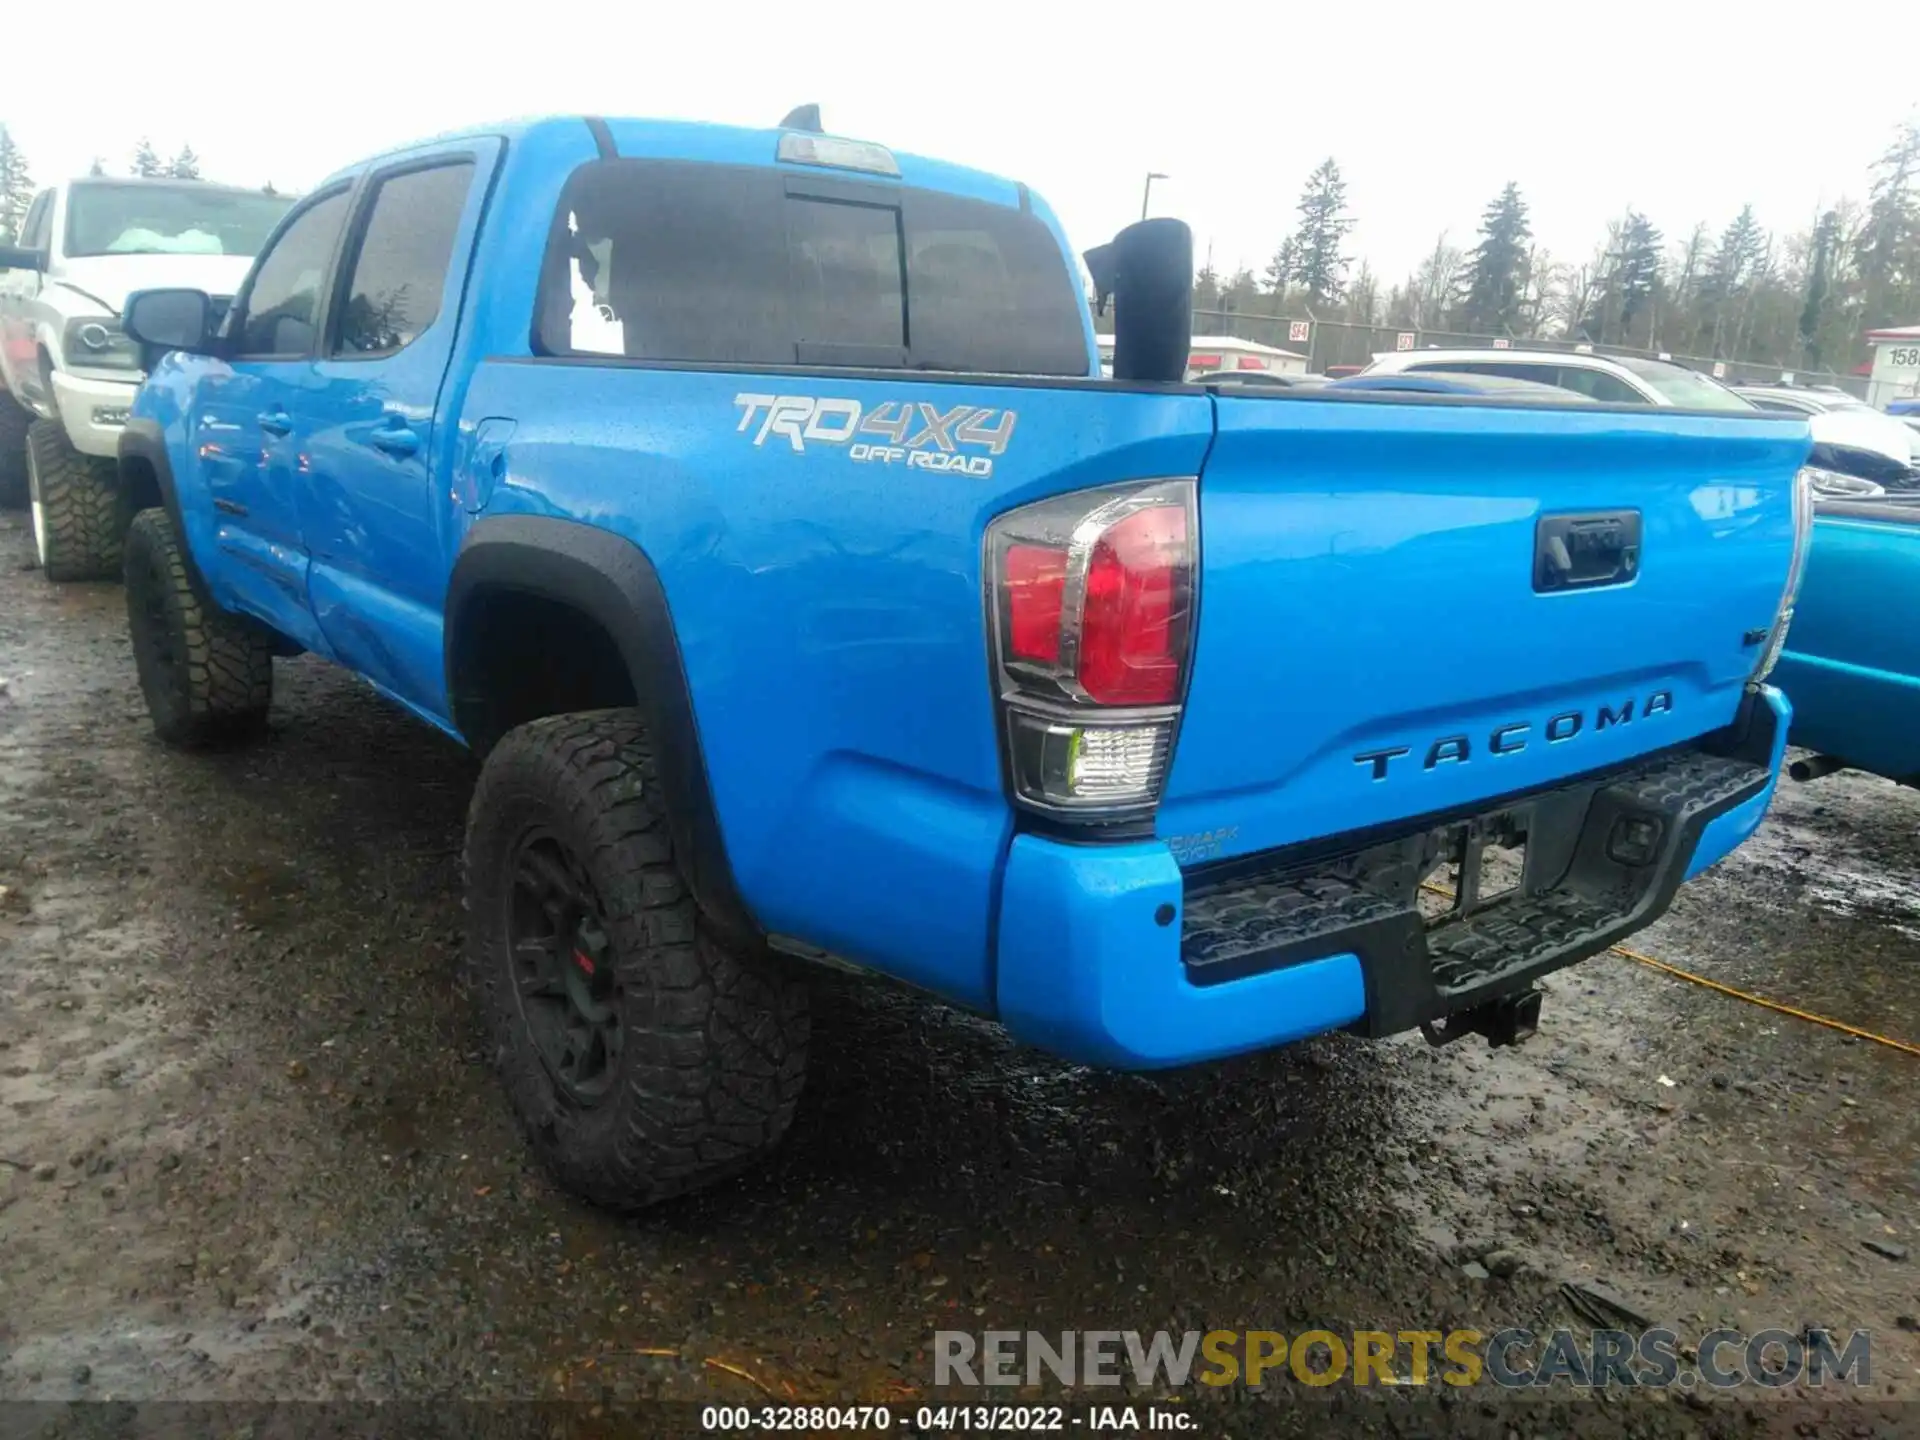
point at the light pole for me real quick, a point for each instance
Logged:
(1147, 194)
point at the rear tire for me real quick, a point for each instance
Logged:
(77, 519)
(14, 419)
(207, 675)
(644, 1056)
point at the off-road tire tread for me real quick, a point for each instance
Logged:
(14, 420)
(218, 689)
(81, 504)
(716, 1039)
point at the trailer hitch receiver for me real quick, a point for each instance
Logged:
(1506, 1021)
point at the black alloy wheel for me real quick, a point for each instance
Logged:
(564, 978)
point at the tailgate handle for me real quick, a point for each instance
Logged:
(1581, 552)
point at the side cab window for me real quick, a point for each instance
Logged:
(279, 314)
(37, 229)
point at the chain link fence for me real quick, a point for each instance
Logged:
(1330, 344)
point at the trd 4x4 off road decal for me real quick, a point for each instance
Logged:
(913, 433)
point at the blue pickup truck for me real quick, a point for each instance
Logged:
(753, 502)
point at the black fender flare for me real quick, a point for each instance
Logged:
(145, 441)
(611, 580)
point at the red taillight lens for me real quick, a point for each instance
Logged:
(1133, 633)
(1036, 580)
(1092, 597)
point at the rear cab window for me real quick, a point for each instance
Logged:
(738, 265)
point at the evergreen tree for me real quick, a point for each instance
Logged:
(16, 188)
(1280, 268)
(1826, 239)
(1637, 281)
(146, 161)
(1630, 285)
(1733, 259)
(1729, 281)
(1313, 252)
(1497, 266)
(1887, 252)
(185, 165)
(1241, 294)
(1206, 288)
(97, 169)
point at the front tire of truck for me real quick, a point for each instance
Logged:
(14, 419)
(644, 1056)
(207, 675)
(77, 525)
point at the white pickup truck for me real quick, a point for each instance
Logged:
(67, 372)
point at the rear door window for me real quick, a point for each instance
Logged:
(722, 264)
(1598, 385)
(400, 267)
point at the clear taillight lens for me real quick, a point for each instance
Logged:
(1804, 487)
(1092, 596)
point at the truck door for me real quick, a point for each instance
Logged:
(19, 347)
(375, 522)
(242, 423)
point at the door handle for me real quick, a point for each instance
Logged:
(276, 422)
(398, 440)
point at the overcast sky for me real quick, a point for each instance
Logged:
(1682, 109)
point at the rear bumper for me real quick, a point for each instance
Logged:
(88, 408)
(1114, 956)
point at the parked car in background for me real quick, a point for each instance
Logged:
(1838, 467)
(790, 633)
(1840, 420)
(1609, 379)
(1259, 379)
(1453, 382)
(67, 371)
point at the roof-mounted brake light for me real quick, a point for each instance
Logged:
(834, 153)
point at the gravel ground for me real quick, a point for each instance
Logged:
(248, 1148)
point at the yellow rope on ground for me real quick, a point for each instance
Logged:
(1762, 1001)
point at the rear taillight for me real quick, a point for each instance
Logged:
(1092, 596)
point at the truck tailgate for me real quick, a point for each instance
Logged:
(1406, 608)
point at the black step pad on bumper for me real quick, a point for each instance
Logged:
(1603, 857)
